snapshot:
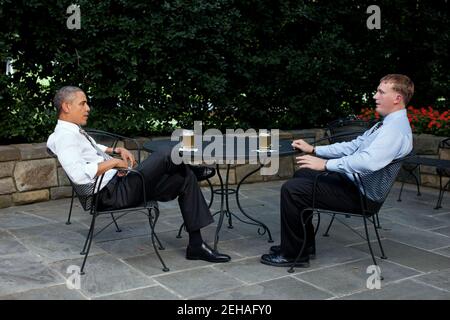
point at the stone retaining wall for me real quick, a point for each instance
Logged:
(28, 174)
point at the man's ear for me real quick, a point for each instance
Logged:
(65, 107)
(398, 99)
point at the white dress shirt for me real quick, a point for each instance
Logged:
(77, 156)
(373, 150)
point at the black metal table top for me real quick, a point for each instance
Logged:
(439, 163)
(226, 149)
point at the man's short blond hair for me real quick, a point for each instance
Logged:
(401, 84)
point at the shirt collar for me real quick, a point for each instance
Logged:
(67, 126)
(394, 115)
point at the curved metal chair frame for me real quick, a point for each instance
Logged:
(111, 140)
(391, 171)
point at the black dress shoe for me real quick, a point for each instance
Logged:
(311, 250)
(202, 172)
(278, 260)
(204, 252)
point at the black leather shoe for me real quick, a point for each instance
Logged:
(311, 250)
(202, 172)
(204, 252)
(278, 260)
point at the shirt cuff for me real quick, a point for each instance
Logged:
(102, 147)
(91, 169)
(318, 150)
(332, 165)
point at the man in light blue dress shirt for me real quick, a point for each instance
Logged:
(386, 141)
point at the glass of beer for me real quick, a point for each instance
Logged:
(188, 139)
(265, 142)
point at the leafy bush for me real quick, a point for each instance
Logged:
(149, 66)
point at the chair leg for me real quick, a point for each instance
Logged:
(152, 231)
(383, 255)
(318, 223)
(179, 231)
(378, 225)
(70, 209)
(115, 223)
(368, 241)
(161, 247)
(417, 183)
(211, 200)
(88, 243)
(329, 226)
(291, 269)
(89, 235)
(441, 193)
(400, 193)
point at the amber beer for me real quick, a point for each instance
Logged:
(188, 139)
(265, 142)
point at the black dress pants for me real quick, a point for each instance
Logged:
(334, 192)
(164, 181)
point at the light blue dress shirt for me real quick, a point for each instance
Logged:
(373, 150)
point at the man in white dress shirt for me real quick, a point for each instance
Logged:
(84, 160)
(386, 141)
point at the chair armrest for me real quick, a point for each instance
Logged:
(117, 138)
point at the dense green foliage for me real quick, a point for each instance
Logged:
(263, 64)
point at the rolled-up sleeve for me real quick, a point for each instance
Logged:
(69, 155)
(387, 146)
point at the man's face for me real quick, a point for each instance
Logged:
(387, 100)
(77, 109)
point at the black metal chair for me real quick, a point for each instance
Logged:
(86, 194)
(413, 170)
(110, 140)
(412, 167)
(442, 172)
(377, 184)
(346, 129)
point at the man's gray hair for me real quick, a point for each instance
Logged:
(65, 94)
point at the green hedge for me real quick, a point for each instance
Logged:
(148, 67)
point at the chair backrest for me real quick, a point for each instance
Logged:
(444, 148)
(84, 192)
(346, 129)
(112, 140)
(376, 185)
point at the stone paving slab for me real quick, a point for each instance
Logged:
(150, 293)
(444, 251)
(18, 220)
(104, 274)
(58, 292)
(423, 222)
(150, 265)
(404, 290)
(23, 272)
(427, 240)
(286, 288)
(198, 282)
(351, 277)
(419, 259)
(10, 245)
(36, 247)
(439, 279)
(251, 270)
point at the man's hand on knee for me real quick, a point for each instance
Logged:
(310, 162)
